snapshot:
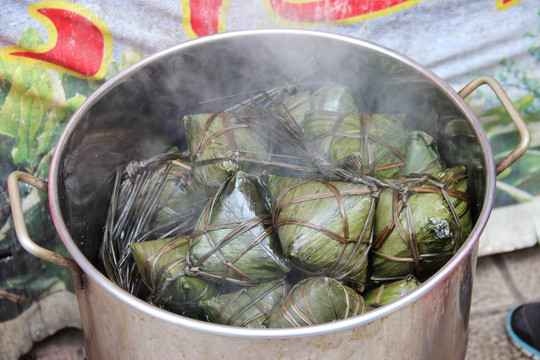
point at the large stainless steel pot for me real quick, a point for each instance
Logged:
(138, 113)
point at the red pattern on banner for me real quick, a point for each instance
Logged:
(205, 16)
(329, 10)
(79, 46)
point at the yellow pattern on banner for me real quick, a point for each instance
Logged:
(505, 5)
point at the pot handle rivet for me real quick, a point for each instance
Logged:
(20, 225)
(512, 112)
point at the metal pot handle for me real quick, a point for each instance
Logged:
(512, 112)
(20, 225)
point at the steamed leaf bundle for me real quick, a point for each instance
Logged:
(247, 307)
(162, 264)
(218, 144)
(421, 156)
(294, 177)
(420, 223)
(389, 292)
(328, 97)
(234, 239)
(151, 199)
(315, 301)
(365, 143)
(324, 227)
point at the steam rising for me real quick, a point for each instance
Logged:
(213, 74)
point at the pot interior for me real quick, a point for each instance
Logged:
(140, 112)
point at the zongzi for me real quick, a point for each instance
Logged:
(389, 292)
(151, 199)
(293, 185)
(219, 144)
(420, 223)
(327, 97)
(234, 239)
(315, 301)
(162, 264)
(247, 307)
(324, 227)
(366, 143)
(421, 156)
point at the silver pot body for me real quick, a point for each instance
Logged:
(139, 113)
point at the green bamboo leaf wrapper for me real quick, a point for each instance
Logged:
(179, 202)
(234, 240)
(329, 97)
(422, 233)
(421, 156)
(151, 199)
(216, 142)
(324, 227)
(371, 143)
(164, 185)
(388, 292)
(315, 301)
(247, 307)
(162, 263)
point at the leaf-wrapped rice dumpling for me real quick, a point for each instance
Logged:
(328, 97)
(315, 301)
(420, 223)
(218, 143)
(161, 264)
(179, 200)
(151, 199)
(324, 227)
(247, 307)
(389, 292)
(421, 156)
(364, 143)
(287, 184)
(234, 239)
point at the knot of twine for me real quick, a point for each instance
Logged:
(191, 271)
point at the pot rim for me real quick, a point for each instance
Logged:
(94, 274)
